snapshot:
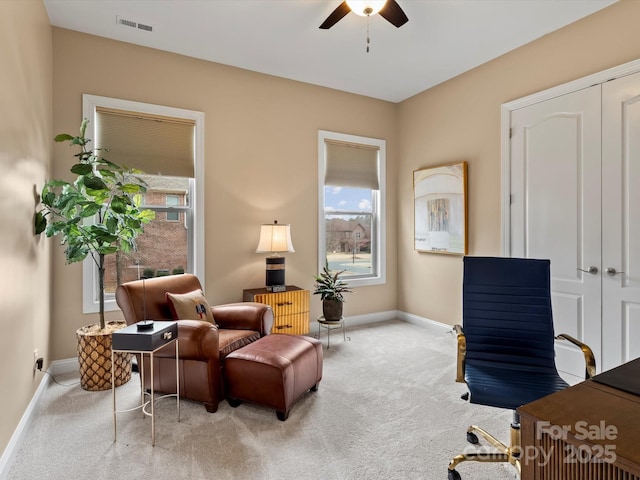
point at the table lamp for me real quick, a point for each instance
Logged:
(275, 239)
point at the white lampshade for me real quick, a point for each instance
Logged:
(275, 238)
(365, 8)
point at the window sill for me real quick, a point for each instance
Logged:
(364, 282)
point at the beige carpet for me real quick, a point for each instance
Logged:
(387, 408)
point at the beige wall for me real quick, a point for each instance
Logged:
(261, 162)
(25, 153)
(261, 165)
(460, 120)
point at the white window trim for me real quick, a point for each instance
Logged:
(89, 270)
(380, 255)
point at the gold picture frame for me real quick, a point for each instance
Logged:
(440, 209)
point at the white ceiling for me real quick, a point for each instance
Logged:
(442, 39)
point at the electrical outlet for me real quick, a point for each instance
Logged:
(35, 360)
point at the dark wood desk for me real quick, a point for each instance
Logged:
(587, 432)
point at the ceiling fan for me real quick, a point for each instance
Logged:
(389, 9)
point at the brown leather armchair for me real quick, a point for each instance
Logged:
(202, 345)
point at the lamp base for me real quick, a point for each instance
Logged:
(274, 272)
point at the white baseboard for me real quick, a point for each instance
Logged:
(370, 318)
(437, 327)
(55, 368)
(16, 439)
(68, 365)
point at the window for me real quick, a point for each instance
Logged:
(164, 247)
(168, 146)
(351, 202)
(173, 201)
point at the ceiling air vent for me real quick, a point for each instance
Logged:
(133, 24)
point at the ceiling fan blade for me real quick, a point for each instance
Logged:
(393, 13)
(335, 16)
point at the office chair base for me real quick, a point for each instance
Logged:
(453, 475)
(504, 453)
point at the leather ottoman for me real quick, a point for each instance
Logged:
(274, 371)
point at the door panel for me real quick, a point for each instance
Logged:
(556, 209)
(566, 308)
(631, 331)
(621, 220)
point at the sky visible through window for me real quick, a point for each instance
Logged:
(347, 250)
(347, 199)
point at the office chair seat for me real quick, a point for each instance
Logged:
(504, 387)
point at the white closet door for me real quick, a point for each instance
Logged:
(621, 220)
(556, 210)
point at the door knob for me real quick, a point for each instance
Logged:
(592, 270)
(612, 271)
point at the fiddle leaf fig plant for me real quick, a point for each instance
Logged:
(106, 192)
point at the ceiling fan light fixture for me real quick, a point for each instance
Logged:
(366, 8)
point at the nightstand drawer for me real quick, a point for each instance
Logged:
(293, 324)
(286, 303)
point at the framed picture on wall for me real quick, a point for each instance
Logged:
(440, 209)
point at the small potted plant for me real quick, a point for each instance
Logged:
(111, 194)
(331, 289)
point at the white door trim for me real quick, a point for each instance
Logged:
(505, 113)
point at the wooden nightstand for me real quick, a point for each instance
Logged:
(290, 308)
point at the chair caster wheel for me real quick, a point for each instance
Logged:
(472, 438)
(453, 475)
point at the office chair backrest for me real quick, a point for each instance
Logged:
(507, 317)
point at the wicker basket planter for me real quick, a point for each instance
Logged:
(94, 357)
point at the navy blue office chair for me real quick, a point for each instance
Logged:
(506, 351)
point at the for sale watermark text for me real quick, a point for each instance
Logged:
(596, 449)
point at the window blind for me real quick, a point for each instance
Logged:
(155, 144)
(351, 165)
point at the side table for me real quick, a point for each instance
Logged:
(147, 341)
(330, 325)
